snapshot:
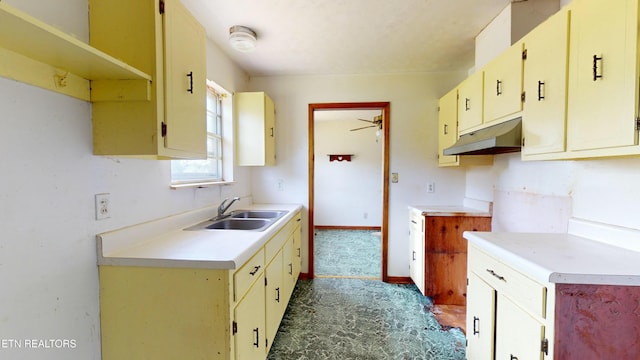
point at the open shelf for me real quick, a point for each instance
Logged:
(31, 49)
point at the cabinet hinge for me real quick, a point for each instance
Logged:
(523, 141)
(265, 281)
(161, 3)
(638, 123)
(523, 96)
(524, 54)
(164, 129)
(544, 346)
(234, 328)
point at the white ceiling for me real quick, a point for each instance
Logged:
(321, 37)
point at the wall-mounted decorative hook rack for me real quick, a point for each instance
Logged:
(340, 157)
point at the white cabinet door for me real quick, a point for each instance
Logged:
(603, 80)
(481, 305)
(417, 258)
(518, 335)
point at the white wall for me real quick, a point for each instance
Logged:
(49, 177)
(413, 143)
(347, 193)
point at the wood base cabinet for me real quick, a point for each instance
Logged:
(189, 313)
(438, 264)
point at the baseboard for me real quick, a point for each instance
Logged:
(304, 276)
(339, 227)
(399, 280)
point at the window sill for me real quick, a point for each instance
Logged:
(203, 184)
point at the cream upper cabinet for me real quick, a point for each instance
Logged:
(448, 134)
(447, 127)
(163, 39)
(545, 86)
(603, 76)
(470, 102)
(255, 114)
(503, 84)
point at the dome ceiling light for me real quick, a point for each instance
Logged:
(242, 38)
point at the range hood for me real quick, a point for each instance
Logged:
(497, 139)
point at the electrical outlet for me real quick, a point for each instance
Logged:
(103, 206)
(365, 215)
(431, 187)
(394, 177)
(280, 184)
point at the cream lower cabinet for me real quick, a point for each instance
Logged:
(509, 315)
(163, 39)
(192, 313)
(416, 249)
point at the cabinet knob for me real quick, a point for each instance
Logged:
(540, 90)
(256, 331)
(498, 87)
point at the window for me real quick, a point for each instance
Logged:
(211, 170)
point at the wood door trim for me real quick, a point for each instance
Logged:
(384, 231)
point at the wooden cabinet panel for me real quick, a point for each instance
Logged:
(545, 85)
(603, 80)
(446, 256)
(597, 322)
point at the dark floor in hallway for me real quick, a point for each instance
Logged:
(346, 318)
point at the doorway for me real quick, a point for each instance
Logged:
(384, 108)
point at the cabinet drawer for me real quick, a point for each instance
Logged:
(528, 293)
(247, 274)
(277, 241)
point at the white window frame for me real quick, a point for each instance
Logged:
(222, 154)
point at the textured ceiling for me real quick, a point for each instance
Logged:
(320, 37)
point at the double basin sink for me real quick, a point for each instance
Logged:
(252, 220)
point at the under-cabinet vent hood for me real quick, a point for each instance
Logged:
(497, 139)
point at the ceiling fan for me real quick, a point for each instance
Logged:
(376, 122)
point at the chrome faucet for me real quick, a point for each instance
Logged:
(224, 206)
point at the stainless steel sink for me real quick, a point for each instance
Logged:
(251, 220)
(239, 224)
(257, 214)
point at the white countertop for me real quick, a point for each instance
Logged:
(163, 243)
(562, 258)
(446, 210)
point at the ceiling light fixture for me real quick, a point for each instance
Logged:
(242, 38)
